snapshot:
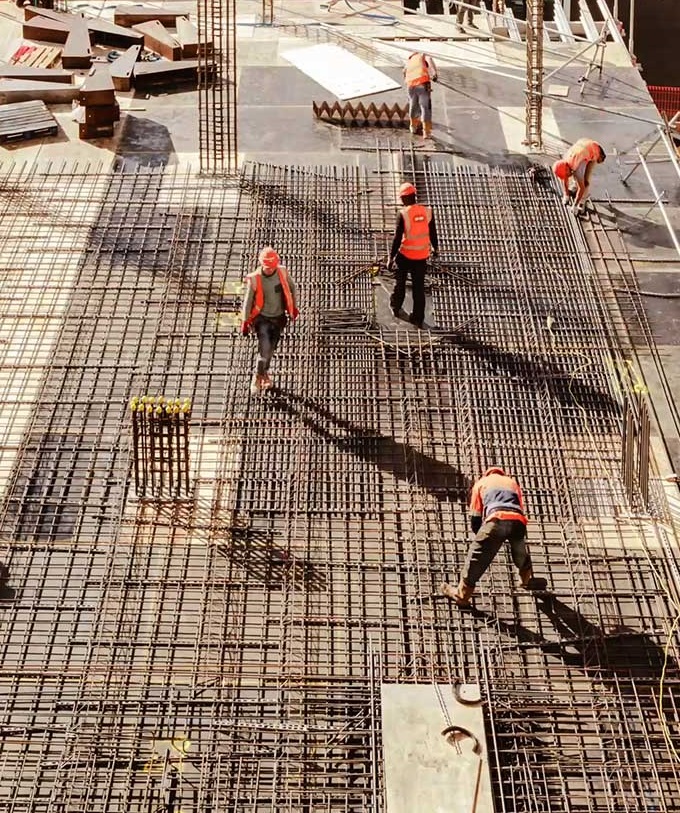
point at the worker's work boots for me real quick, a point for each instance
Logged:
(461, 596)
(256, 384)
(427, 129)
(416, 126)
(530, 582)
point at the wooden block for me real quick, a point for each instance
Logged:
(41, 28)
(157, 38)
(131, 15)
(88, 131)
(97, 89)
(150, 74)
(77, 52)
(102, 114)
(104, 32)
(23, 90)
(40, 56)
(38, 74)
(122, 68)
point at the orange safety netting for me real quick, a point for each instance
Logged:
(667, 99)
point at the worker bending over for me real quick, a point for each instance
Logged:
(497, 515)
(419, 72)
(578, 164)
(415, 236)
(268, 304)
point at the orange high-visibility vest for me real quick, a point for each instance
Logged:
(416, 70)
(255, 282)
(497, 496)
(585, 149)
(415, 244)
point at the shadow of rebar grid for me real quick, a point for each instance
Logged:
(226, 652)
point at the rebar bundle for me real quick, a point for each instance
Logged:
(160, 441)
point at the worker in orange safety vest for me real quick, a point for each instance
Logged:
(497, 515)
(578, 163)
(419, 72)
(269, 303)
(415, 237)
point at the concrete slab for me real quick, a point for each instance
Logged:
(424, 768)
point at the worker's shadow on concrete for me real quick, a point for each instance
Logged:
(7, 593)
(639, 230)
(261, 559)
(624, 652)
(564, 385)
(445, 482)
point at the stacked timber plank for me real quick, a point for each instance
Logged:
(26, 120)
(98, 98)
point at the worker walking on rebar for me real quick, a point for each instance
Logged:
(497, 515)
(578, 163)
(419, 73)
(415, 236)
(270, 301)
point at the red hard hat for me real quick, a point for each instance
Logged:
(269, 258)
(493, 470)
(406, 189)
(562, 169)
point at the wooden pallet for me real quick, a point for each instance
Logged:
(26, 120)
(35, 56)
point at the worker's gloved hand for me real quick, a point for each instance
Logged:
(435, 254)
(566, 198)
(245, 329)
(391, 265)
(435, 78)
(294, 315)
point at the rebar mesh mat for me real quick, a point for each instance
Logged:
(225, 652)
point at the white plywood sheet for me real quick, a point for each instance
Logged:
(425, 771)
(339, 71)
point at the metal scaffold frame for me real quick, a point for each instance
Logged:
(226, 651)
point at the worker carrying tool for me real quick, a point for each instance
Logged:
(497, 515)
(578, 164)
(269, 302)
(415, 236)
(419, 73)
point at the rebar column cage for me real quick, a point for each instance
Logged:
(217, 87)
(534, 89)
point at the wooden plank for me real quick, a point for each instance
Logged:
(131, 15)
(77, 52)
(21, 90)
(104, 32)
(40, 28)
(149, 74)
(39, 74)
(157, 38)
(122, 68)
(97, 88)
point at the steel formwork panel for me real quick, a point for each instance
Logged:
(226, 652)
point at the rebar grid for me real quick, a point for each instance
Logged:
(227, 653)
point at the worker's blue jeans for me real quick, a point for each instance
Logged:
(420, 102)
(488, 541)
(268, 332)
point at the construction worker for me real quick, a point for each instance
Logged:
(578, 164)
(463, 10)
(269, 302)
(497, 515)
(419, 72)
(415, 236)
